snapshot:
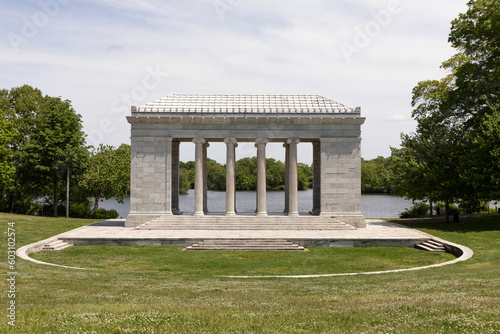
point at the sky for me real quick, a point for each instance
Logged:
(107, 55)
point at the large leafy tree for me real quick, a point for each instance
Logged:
(455, 150)
(19, 109)
(57, 141)
(475, 99)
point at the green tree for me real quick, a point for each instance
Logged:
(186, 169)
(275, 174)
(20, 107)
(216, 177)
(246, 174)
(455, 151)
(107, 174)
(304, 176)
(7, 167)
(475, 99)
(56, 142)
(376, 175)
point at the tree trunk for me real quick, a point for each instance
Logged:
(56, 195)
(447, 211)
(12, 200)
(96, 203)
(431, 209)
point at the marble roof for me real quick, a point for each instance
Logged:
(245, 103)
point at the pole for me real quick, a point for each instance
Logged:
(67, 191)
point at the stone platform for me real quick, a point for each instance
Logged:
(245, 222)
(376, 233)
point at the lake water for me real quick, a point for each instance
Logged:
(372, 206)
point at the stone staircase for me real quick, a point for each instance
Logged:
(432, 245)
(55, 246)
(246, 245)
(244, 223)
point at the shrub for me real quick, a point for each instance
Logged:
(418, 210)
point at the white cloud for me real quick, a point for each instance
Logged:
(397, 118)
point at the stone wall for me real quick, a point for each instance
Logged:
(150, 188)
(341, 180)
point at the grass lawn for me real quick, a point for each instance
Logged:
(166, 290)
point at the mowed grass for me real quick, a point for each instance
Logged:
(166, 290)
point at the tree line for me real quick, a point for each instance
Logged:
(42, 144)
(246, 175)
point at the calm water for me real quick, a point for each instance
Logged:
(372, 206)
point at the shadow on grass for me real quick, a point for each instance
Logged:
(468, 223)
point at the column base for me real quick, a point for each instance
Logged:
(293, 214)
(230, 214)
(199, 213)
(314, 212)
(261, 214)
(177, 212)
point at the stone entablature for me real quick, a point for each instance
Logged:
(333, 129)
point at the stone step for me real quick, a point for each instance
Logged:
(56, 245)
(243, 227)
(244, 223)
(431, 246)
(246, 245)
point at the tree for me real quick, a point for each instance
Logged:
(19, 107)
(246, 174)
(108, 173)
(7, 167)
(304, 176)
(376, 175)
(56, 142)
(475, 101)
(455, 150)
(216, 175)
(275, 174)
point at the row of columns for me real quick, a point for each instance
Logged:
(200, 177)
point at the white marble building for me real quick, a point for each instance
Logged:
(159, 127)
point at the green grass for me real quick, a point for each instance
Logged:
(166, 290)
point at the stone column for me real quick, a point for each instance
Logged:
(316, 210)
(260, 143)
(198, 177)
(175, 178)
(287, 178)
(292, 175)
(205, 178)
(230, 176)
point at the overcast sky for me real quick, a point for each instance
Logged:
(105, 55)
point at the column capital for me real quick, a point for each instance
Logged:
(199, 140)
(293, 141)
(261, 141)
(229, 141)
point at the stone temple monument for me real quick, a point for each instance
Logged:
(159, 127)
